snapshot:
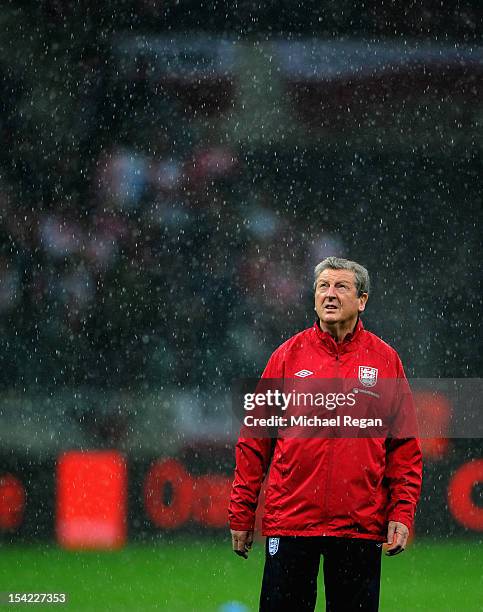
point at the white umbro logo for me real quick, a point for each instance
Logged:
(303, 373)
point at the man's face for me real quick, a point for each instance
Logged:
(336, 299)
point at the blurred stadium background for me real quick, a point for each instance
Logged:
(170, 173)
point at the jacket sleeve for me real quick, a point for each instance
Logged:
(252, 457)
(404, 464)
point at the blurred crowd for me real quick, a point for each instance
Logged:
(141, 248)
(165, 265)
(160, 282)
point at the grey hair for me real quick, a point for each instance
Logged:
(337, 263)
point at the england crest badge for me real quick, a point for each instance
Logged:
(273, 545)
(367, 376)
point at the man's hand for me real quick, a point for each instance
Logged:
(397, 537)
(242, 542)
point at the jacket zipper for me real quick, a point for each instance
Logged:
(331, 450)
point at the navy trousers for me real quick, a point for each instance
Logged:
(352, 573)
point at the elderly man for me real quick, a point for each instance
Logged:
(339, 497)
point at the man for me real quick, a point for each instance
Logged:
(337, 497)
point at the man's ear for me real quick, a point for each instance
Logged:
(363, 301)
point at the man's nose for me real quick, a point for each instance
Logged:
(331, 292)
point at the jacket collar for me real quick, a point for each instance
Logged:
(347, 343)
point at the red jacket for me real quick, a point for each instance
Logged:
(347, 487)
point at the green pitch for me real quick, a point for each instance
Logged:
(200, 575)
